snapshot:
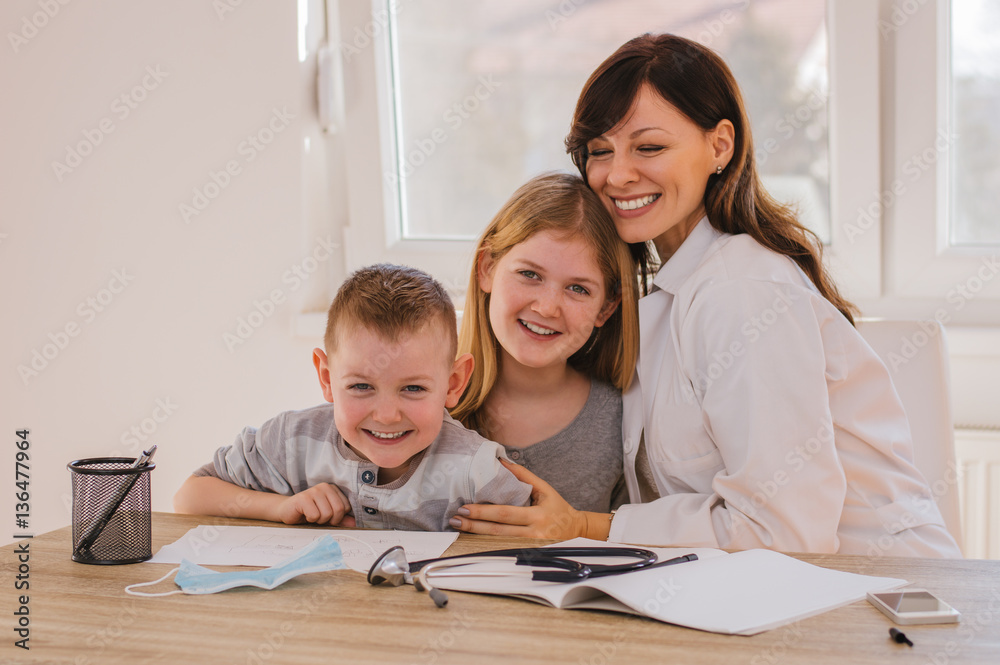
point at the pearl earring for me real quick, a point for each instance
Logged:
(718, 170)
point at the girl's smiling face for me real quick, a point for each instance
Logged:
(547, 294)
(651, 171)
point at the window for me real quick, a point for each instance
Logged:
(882, 142)
(975, 108)
(484, 92)
(940, 256)
(476, 97)
(898, 165)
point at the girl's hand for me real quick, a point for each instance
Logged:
(320, 504)
(548, 516)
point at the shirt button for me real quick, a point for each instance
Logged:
(371, 511)
(515, 454)
(629, 445)
(368, 477)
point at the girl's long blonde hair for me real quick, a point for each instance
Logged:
(562, 203)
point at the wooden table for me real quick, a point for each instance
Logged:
(80, 614)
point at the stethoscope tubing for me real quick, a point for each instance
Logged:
(554, 557)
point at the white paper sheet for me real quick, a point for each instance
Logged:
(743, 593)
(209, 545)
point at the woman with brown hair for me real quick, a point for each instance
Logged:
(759, 417)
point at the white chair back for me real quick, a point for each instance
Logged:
(917, 357)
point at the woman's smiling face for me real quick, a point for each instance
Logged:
(651, 171)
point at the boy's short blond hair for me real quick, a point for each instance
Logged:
(390, 300)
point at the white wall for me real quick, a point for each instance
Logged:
(65, 235)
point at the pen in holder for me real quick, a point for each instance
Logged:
(111, 509)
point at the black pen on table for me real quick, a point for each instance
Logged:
(95, 531)
(898, 637)
(671, 562)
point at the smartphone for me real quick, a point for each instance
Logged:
(914, 606)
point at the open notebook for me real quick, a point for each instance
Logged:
(742, 593)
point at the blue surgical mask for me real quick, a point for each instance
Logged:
(320, 555)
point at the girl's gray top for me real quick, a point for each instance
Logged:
(583, 462)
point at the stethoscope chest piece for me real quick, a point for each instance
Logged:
(391, 567)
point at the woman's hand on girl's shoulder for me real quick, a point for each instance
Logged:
(549, 515)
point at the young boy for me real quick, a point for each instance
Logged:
(385, 451)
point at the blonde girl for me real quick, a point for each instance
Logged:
(551, 320)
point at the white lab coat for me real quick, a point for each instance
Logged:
(768, 420)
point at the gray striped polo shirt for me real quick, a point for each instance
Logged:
(299, 449)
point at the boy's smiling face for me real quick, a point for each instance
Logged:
(389, 397)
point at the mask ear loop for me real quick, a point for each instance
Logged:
(129, 588)
(358, 540)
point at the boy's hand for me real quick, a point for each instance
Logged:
(320, 504)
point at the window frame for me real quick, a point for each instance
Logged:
(854, 255)
(374, 232)
(894, 261)
(921, 266)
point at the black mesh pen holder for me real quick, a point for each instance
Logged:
(111, 510)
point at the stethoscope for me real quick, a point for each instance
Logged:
(393, 568)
